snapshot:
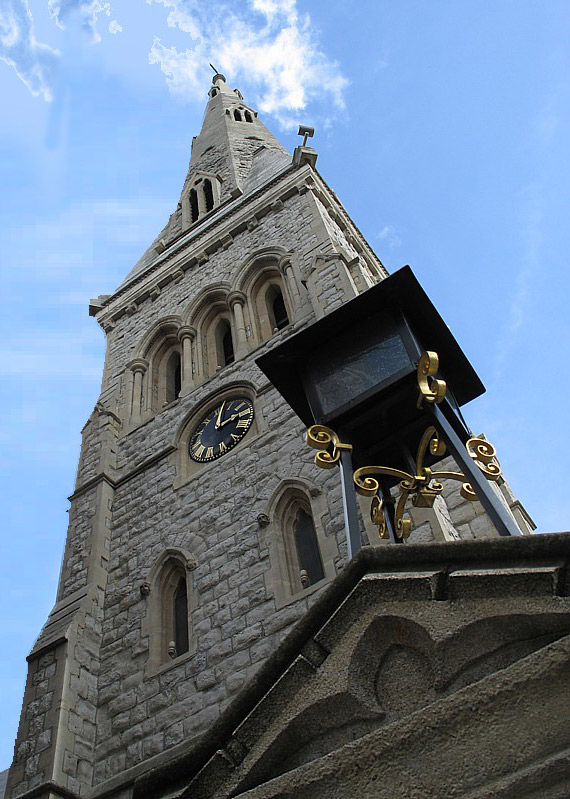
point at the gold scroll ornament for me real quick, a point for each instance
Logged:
(423, 486)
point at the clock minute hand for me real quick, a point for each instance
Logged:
(219, 422)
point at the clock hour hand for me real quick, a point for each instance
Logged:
(219, 422)
(228, 420)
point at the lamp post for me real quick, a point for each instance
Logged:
(375, 381)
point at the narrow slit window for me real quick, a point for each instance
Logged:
(237, 116)
(194, 212)
(310, 562)
(248, 117)
(180, 608)
(208, 194)
(279, 311)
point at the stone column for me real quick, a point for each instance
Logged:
(138, 367)
(236, 302)
(286, 269)
(186, 336)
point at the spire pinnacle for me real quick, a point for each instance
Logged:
(217, 75)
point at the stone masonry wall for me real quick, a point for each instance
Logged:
(213, 515)
(122, 708)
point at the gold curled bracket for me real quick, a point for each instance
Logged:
(367, 485)
(322, 438)
(485, 456)
(431, 389)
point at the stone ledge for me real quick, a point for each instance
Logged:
(495, 554)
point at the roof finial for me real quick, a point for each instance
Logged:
(218, 75)
(305, 132)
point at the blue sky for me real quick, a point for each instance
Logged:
(443, 126)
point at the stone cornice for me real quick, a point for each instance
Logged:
(49, 789)
(104, 478)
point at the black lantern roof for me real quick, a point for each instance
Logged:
(355, 370)
(398, 295)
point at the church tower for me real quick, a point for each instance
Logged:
(200, 531)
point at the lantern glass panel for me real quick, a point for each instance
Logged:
(351, 366)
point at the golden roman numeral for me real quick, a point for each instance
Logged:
(240, 406)
(198, 452)
(223, 447)
(247, 412)
(210, 452)
(243, 423)
(235, 438)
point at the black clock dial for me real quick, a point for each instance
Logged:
(221, 429)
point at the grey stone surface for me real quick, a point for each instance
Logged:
(103, 701)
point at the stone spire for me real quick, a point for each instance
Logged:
(234, 153)
(233, 145)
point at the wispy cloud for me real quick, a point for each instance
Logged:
(33, 62)
(266, 43)
(388, 234)
(87, 11)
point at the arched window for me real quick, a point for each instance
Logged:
(308, 554)
(248, 117)
(302, 557)
(237, 116)
(278, 310)
(173, 376)
(194, 211)
(208, 194)
(168, 622)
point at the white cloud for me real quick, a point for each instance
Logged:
(389, 235)
(114, 27)
(87, 11)
(264, 42)
(33, 62)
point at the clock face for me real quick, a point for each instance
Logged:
(221, 429)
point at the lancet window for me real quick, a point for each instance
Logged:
(301, 555)
(168, 620)
(202, 197)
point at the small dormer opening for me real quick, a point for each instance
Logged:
(194, 211)
(237, 116)
(214, 92)
(208, 194)
(248, 117)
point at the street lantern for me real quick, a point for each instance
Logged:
(380, 382)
